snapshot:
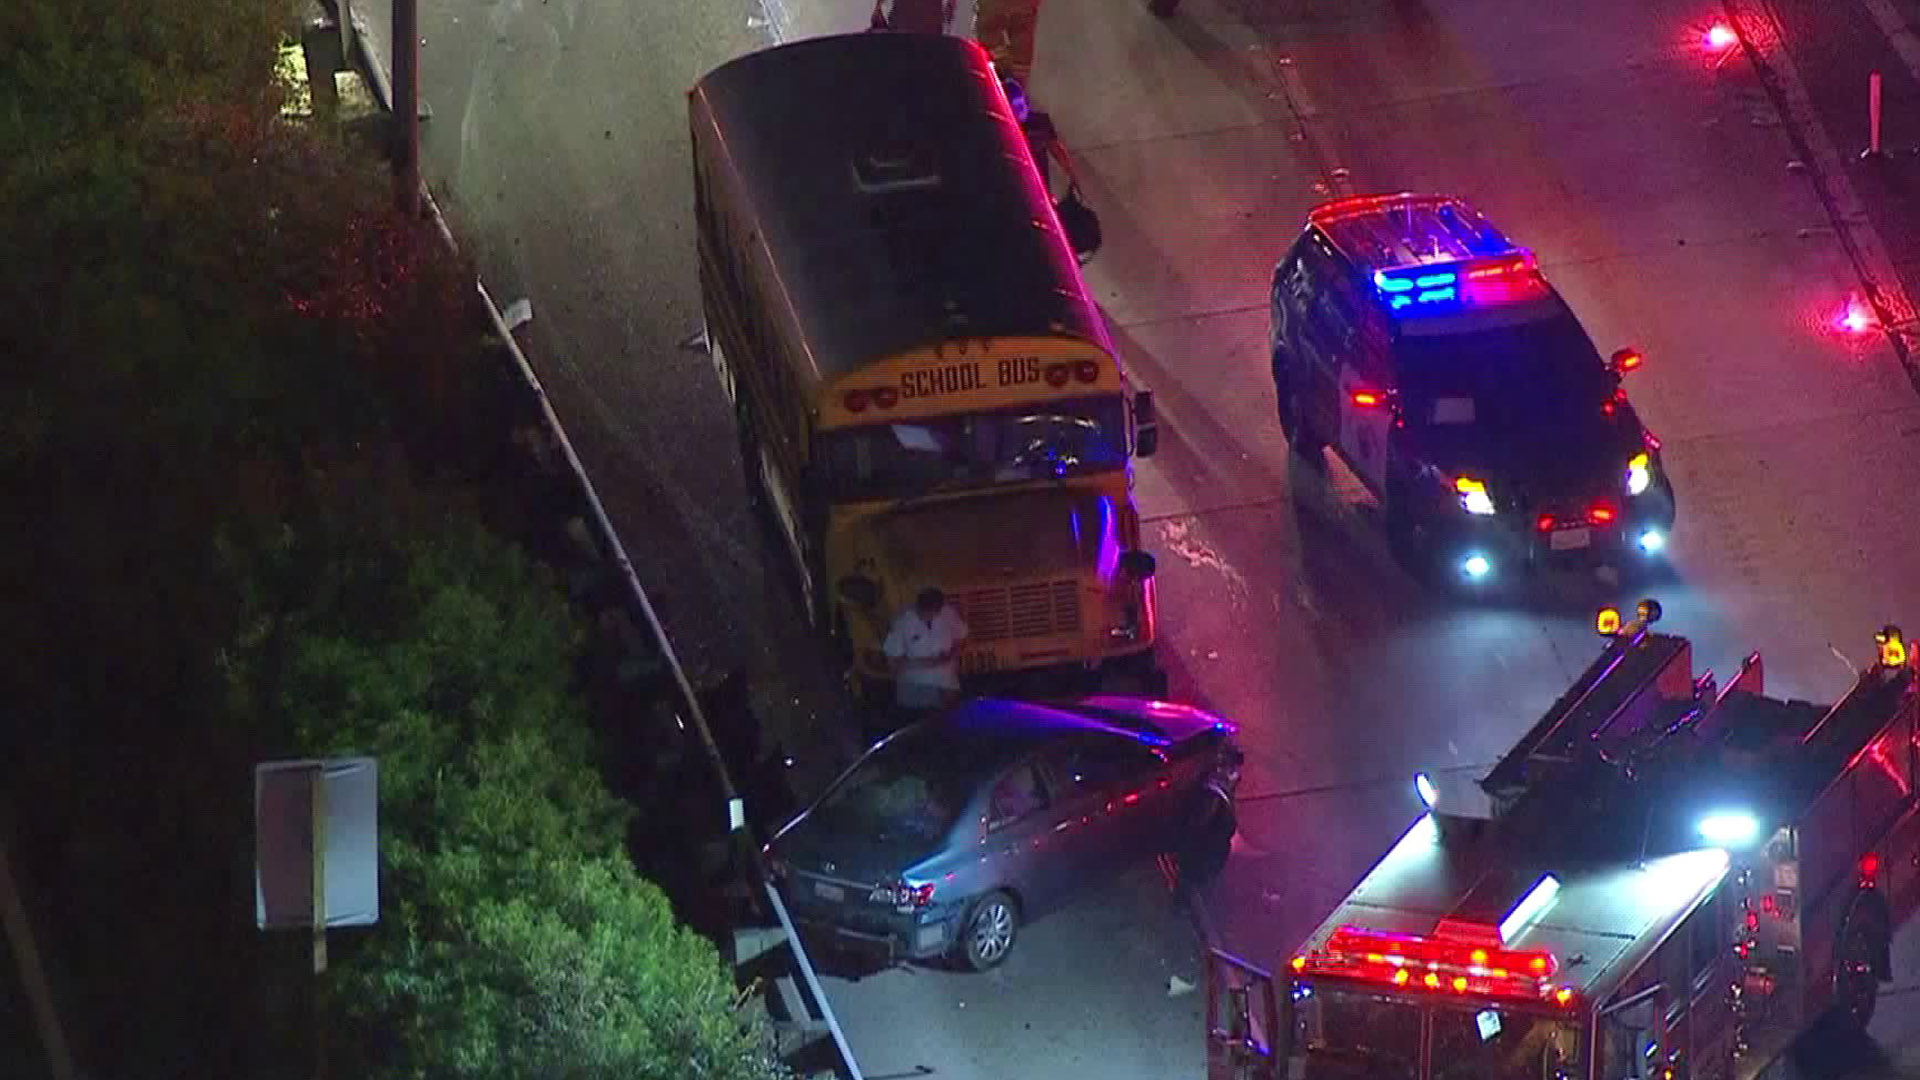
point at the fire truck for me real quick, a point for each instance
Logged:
(1665, 878)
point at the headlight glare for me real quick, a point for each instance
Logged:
(1474, 498)
(1639, 473)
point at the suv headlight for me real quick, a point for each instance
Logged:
(1473, 495)
(1639, 473)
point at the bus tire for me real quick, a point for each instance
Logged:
(1163, 8)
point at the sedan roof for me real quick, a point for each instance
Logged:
(986, 734)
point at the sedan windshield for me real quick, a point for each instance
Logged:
(1031, 442)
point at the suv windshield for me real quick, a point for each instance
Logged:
(1535, 378)
(1030, 442)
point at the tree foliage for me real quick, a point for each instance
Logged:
(519, 942)
(240, 435)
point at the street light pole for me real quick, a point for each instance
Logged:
(406, 107)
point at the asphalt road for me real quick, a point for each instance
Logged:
(1651, 177)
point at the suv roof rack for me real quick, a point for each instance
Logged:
(1382, 232)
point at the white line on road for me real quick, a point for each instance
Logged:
(1848, 213)
(1899, 34)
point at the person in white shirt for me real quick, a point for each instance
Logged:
(923, 645)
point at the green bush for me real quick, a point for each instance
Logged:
(224, 341)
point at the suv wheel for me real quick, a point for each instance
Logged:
(990, 930)
(1305, 442)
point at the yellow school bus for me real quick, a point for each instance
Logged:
(925, 392)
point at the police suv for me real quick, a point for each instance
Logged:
(1428, 351)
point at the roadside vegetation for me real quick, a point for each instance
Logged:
(251, 438)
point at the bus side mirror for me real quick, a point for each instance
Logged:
(1137, 564)
(1146, 430)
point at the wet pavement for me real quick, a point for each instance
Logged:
(1656, 180)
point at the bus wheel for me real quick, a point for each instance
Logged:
(1856, 989)
(1163, 8)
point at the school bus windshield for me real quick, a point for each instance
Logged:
(1056, 439)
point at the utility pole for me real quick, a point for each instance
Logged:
(406, 107)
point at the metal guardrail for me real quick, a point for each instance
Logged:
(747, 851)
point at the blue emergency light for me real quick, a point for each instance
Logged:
(1433, 288)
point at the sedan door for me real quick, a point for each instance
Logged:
(1122, 789)
(1022, 846)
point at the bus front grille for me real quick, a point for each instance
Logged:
(1034, 609)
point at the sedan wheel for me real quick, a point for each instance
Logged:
(990, 931)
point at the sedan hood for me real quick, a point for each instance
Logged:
(991, 539)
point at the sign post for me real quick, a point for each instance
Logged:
(316, 858)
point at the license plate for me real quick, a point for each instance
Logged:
(1570, 539)
(829, 892)
(979, 663)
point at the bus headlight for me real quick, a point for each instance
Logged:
(1639, 473)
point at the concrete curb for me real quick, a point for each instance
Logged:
(1872, 264)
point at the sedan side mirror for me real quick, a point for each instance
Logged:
(1146, 430)
(1625, 360)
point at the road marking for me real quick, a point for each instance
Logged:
(1899, 34)
(1293, 90)
(1862, 245)
(776, 20)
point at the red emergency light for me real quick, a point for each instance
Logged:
(1433, 963)
(857, 400)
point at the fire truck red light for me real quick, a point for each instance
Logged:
(1869, 867)
(1720, 36)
